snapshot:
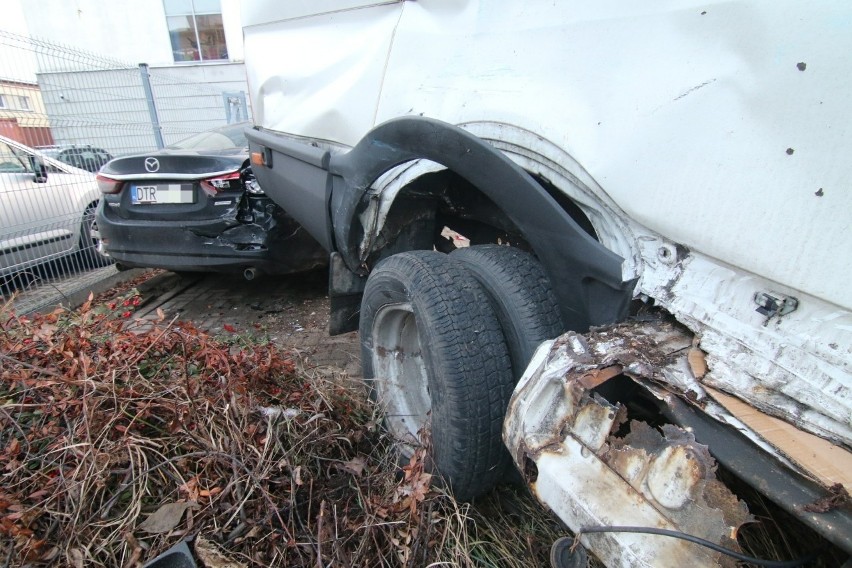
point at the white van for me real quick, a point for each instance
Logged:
(679, 167)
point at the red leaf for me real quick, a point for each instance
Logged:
(229, 328)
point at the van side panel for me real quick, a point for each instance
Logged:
(715, 124)
(320, 75)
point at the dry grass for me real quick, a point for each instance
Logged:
(118, 439)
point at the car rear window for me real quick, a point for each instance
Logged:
(231, 136)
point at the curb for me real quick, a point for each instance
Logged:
(72, 301)
(155, 290)
(77, 298)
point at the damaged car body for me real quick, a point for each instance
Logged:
(606, 195)
(197, 206)
(578, 427)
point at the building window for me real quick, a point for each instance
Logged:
(3, 101)
(24, 103)
(196, 31)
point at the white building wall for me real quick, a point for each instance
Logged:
(92, 86)
(129, 30)
(18, 65)
(232, 21)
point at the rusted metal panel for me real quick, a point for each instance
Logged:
(593, 468)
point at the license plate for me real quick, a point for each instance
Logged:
(161, 193)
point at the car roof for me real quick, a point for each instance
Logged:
(47, 159)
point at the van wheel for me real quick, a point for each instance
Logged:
(523, 300)
(434, 358)
(521, 295)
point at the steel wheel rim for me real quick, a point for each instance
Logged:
(400, 379)
(94, 234)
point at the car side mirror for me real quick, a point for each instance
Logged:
(39, 168)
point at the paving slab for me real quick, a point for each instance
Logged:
(292, 311)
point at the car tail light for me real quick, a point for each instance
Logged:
(109, 185)
(218, 184)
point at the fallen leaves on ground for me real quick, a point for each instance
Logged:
(120, 438)
(166, 518)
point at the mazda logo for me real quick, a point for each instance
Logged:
(152, 164)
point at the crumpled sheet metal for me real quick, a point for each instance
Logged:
(570, 442)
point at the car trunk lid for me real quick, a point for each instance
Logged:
(167, 186)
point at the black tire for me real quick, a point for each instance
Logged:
(521, 295)
(90, 240)
(432, 349)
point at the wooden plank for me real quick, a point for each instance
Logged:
(825, 461)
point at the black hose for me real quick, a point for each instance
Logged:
(703, 542)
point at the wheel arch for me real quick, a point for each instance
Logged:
(90, 205)
(587, 276)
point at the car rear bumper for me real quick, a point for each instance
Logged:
(220, 245)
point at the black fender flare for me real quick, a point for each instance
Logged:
(586, 276)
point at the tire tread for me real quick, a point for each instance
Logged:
(471, 368)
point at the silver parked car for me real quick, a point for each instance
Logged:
(85, 157)
(47, 210)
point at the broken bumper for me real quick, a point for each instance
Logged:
(272, 245)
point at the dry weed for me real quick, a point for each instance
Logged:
(118, 439)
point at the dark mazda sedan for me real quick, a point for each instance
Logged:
(196, 206)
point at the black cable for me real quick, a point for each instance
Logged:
(702, 542)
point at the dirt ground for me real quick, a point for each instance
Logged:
(292, 311)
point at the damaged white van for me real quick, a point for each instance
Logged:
(655, 299)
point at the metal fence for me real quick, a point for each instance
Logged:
(63, 114)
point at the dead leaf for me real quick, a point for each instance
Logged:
(190, 488)
(166, 518)
(161, 315)
(355, 466)
(50, 554)
(76, 558)
(38, 495)
(88, 304)
(212, 557)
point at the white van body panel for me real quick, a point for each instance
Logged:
(717, 128)
(684, 113)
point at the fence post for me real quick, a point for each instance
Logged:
(152, 108)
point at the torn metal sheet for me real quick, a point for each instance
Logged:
(588, 464)
(796, 366)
